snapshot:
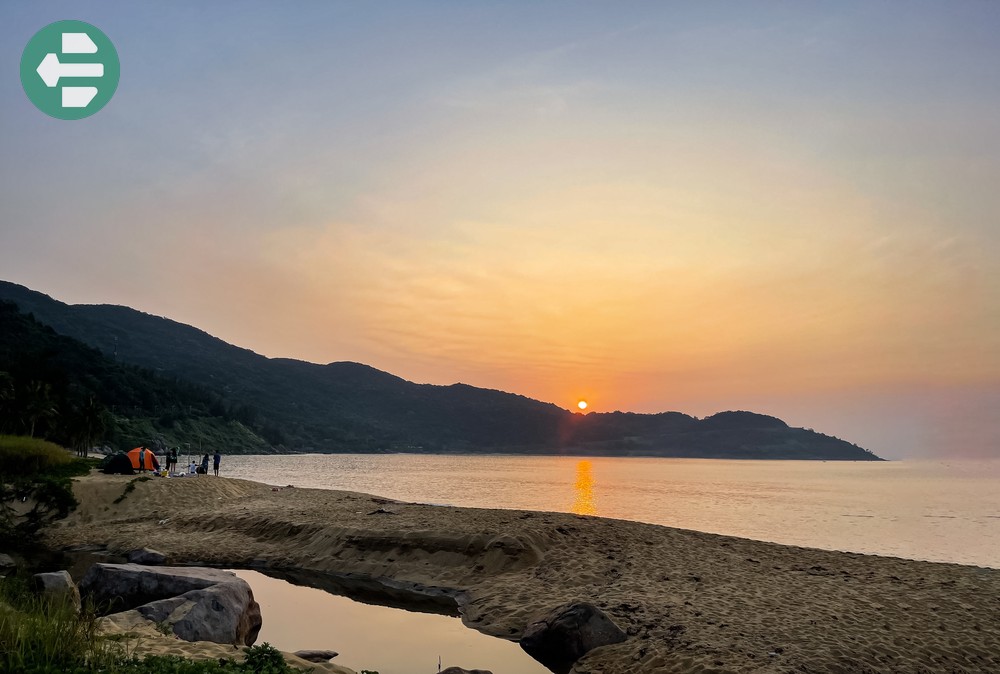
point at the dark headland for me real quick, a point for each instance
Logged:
(160, 378)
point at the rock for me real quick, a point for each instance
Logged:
(198, 604)
(567, 633)
(225, 613)
(6, 562)
(459, 670)
(316, 656)
(57, 585)
(120, 587)
(146, 556)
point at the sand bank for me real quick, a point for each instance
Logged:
(690, 601)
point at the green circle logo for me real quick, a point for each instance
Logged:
(70, 70)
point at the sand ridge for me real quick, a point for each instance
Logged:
(689, 601)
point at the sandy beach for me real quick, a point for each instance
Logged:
(689, 601)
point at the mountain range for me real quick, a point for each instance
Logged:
(350, 407)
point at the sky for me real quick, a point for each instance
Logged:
(790, 208)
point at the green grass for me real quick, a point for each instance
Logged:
(130, 487)
(36, 472)
(40, 636)
(230, 436)
(25, 457)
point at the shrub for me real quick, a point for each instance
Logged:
(42, 636)
(38, 473)
(26, 457)
(130, 487)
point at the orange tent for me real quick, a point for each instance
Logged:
(150, 459)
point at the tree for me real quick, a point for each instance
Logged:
(89, 423)
(7, 402)
(38, 404)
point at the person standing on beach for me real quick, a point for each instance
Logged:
(216, 460)
(172, 460)
(204, 465)
(142, 460)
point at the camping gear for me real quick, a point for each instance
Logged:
(119, 464)
(149, 460)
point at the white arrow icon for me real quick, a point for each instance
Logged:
(51, 70)
(78, 69)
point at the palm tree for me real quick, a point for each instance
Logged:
(6, 400)
(39, 405)
(90, 422)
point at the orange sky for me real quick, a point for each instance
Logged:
(785, 209)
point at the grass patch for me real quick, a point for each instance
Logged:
(130, 487)
(42, 636)
(26, 457)
(47, 635)
(35, 486)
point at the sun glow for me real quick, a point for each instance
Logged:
(582, 404)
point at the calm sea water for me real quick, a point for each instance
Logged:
(386, 640)
(937, 511)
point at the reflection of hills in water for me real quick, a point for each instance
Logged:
(584, 488)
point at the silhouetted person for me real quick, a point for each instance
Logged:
(216, 460)
(204, 465)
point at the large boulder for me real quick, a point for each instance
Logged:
(225, 613)
(119, 587)
(567, 633)
(57, 585)
(197, 604)
(7, 563)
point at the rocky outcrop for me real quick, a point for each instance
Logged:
(225, 613)
(567, 633)
(147, 557)
(119, 587)
(7, 563)
(197, 604)
(316, 656)
(57, 585)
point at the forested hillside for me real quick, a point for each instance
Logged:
(353, 407)
(56, 387)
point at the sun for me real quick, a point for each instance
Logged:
(582, 404)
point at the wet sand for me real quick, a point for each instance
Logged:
(689, 601)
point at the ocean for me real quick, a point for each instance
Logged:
(942, 511)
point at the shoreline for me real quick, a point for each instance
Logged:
(685, 598)
(832, 506)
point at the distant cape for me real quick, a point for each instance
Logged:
(298, 406)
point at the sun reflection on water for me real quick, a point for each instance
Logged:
(584, 488)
